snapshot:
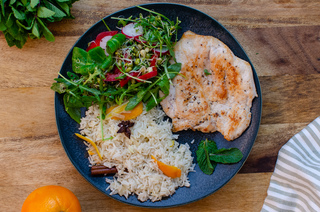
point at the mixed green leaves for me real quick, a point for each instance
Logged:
(20, 19)
(94, 80)
(208, 156)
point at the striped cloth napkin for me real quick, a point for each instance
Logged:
(295, 183)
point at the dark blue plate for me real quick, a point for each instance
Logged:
(201, 185)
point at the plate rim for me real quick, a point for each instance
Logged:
(259, 99)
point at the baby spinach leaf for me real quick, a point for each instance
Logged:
(97, 55)
(74, 112)
(232, 155)
(79, 59)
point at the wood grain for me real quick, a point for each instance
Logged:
(282, 39)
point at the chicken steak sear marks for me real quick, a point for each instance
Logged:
(218, 90)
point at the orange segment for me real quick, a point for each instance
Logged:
(51, 198)
(119, 113)
(170, 171)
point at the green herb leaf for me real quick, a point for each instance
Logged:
(206, 72)
(17, 14)
(59, 14)
(35, 30)
(2, 26)
(79, 59)
(44, 12)
(97, 55)
(59, 87)
(204, 148)
(232, 155)
(208, 155)
(164, 85)
(134, 101)
(46, 32)
(34, 3)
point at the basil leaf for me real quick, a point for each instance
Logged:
(79, 59)
(204, 148)
(232, 155)
(44, 12)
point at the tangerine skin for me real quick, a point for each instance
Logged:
(51, 198)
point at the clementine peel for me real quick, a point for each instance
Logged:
(51, 198)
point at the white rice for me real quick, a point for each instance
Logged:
(137, 172)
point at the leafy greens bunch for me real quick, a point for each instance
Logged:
(208, 156)
(20, 19)
(108, 79)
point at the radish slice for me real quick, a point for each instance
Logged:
(103, 41)
(92, 45)
(163, 51)
(103, 37)
(139, 39)
(132, 31)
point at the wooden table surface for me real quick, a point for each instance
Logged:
(282, 39)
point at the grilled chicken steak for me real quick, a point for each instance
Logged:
(217, 91)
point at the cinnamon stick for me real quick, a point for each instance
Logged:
(102, 170)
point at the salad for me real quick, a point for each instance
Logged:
(122, 68)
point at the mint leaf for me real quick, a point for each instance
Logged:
(204, 148)
(2, 26)
(208, 155)
(232, 155)
(34, 3)
(46, 32)
(19, 15)
(43, 12)
(58, 13)
(35, 30)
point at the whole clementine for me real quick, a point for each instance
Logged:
(51, 198)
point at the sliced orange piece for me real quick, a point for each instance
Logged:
(170, 171)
